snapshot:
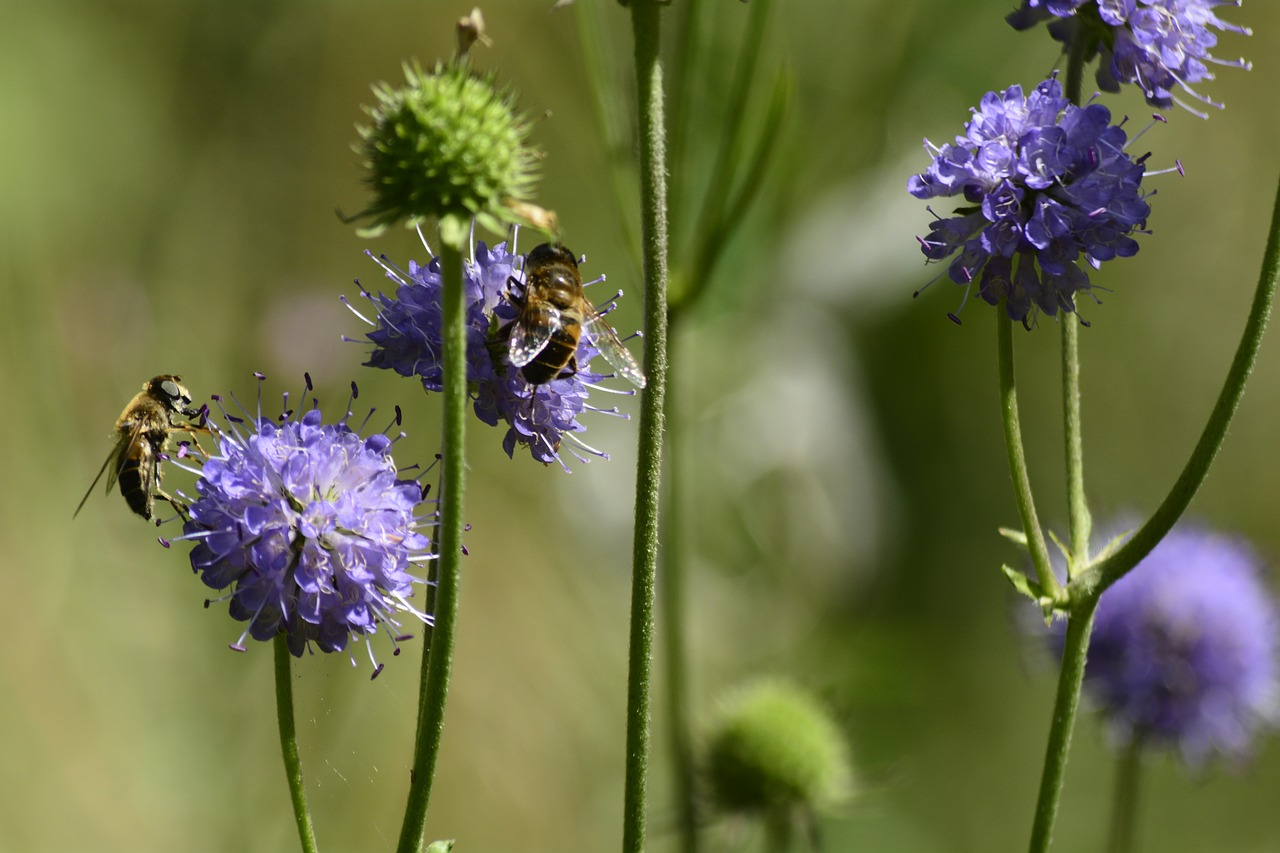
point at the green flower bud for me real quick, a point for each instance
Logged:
(447, 145)
(773, 751)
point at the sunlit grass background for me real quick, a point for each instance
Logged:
(169, 175)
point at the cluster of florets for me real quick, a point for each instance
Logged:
(447, 144)
(310, 526)
(1047, 183)
(773, 751)
(1159, 45)
(1183, 652)
(407, 339)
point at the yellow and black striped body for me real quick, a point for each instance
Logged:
(557, 357)
(148, 422)
(554, 317)
(142, 437)
(545, 336)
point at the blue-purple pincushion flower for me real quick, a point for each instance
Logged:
(1046, 183)
(407, 339)
(310, 526)
(1159, 45)
(1183, 651)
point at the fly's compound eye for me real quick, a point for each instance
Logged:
(178, 397)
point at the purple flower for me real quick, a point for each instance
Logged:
(407, 340)
(1183, 651)
(1157, 44)
(310, 527)
(1046, 183)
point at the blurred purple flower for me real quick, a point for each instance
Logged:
(407, 340)
(310, 526)
(1158, 44)
(1046, 182)
(1184, 647)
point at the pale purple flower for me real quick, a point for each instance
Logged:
(1159, 45)
(310, 527)
(1183, 652)
(1045, 184)
(407, 339)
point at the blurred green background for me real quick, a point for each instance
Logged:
(170, 173)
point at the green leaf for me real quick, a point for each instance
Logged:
(440, 846)
(1017, 537)
(1024, 585)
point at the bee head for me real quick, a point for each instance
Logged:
(546, 253)
(170, 391)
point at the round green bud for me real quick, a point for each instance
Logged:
(773, 749)
(446, 145)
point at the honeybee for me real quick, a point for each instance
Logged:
(554, 314)
(142, 435)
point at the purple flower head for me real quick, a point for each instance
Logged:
(407, 339)
(1183, 652)
(1045, 183)
(1158, 44)
(310, 527)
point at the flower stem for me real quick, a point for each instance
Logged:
(1124, 806)
(1017, 457)
(1078, 520)
(1077, 508)
(653, 202)
(438, 661)
(289, 745)
(1065, 705)
(1108, 571)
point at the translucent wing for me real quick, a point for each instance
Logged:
(114, 462)
(606, 340)
(530, 334)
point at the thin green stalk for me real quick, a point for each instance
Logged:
(685, 70)
(653, 216)
(438, 662)
(1071, 677)
(289, 745)
(714, 235)
(1017, 457)
(1108, 571)
(615, 123)
(673, 614)
(1080, 48)
(1124, 803)
(723, 205)
(777, 832)
(1078, 520)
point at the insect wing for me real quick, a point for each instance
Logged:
(529, 335)
(613, 350)
(113, 463)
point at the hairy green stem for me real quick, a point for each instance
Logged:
(1106, 572)
(438, 661)
(1078, 520)
(653, 215)
(1017, 457)
(289, 744)
(1124, 802)
(1065, 706)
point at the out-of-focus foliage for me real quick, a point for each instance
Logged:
(170, 174)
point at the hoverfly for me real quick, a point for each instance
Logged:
(142, 436)
(554, 314)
